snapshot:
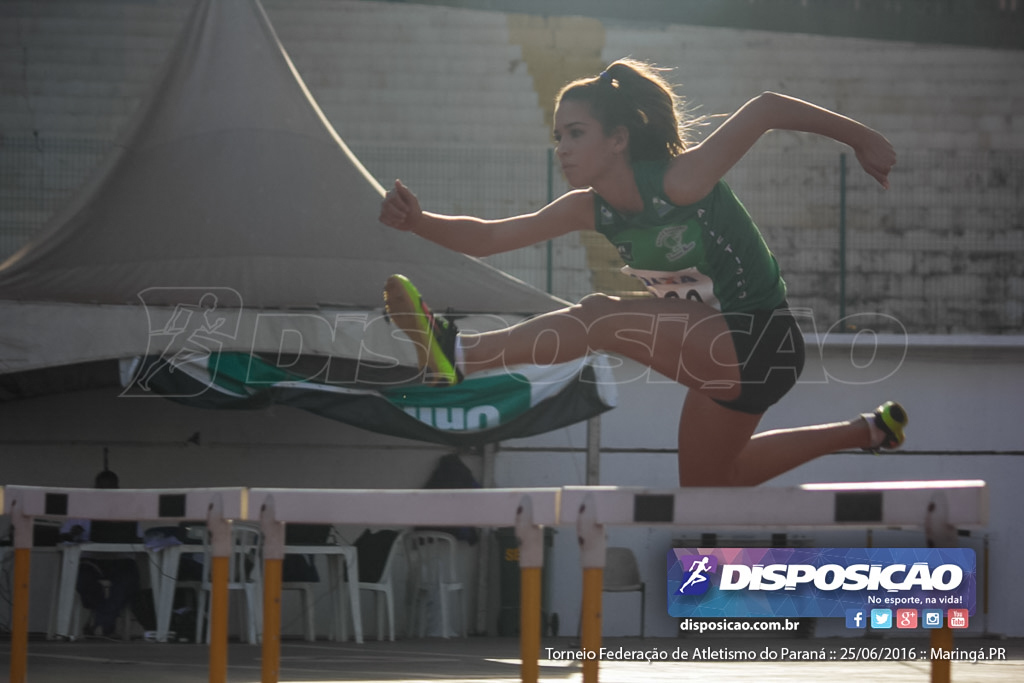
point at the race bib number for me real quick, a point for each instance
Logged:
(681, 284)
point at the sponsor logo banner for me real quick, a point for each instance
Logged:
(819, 582)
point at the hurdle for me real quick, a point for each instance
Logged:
(936, 507)
(217, 506)
(528, 510)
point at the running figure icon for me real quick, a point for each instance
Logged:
(697, 569)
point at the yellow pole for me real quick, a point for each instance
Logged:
(19, 615)
(219, 620)
(272, 572)
(529, 623)
(590, 627)
(941, 638)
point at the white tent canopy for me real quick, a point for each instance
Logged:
(229, 256)
(228, 180)
(230, 176)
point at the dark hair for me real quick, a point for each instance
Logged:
(634, 94)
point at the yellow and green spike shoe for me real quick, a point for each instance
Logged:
(433, 336)
(890, 418)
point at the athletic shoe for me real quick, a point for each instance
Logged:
(890, 418)
(434, 337)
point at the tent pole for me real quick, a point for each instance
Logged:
(594, 451)
(489, 453)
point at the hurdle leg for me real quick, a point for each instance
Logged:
(19, 615)
(590, 628)
(21, 525)
(941, 638)
(529, 625)
(271, 648)
(531, 561)
(220, 536)
(940, 533)
(592, 554)
(273, 563)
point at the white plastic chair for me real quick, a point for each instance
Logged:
(244, 574)
(384, 587)
(305, 589)
(310, 541)
(622, 575)
(340, 591)
(432, 570)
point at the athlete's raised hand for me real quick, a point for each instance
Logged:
(400, 208)
(876, 155)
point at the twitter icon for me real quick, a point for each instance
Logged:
(881, 618)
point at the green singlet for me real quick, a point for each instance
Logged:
(709, 251)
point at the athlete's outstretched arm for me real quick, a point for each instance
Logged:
(479, 237)
(696, 171)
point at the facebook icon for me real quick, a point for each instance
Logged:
(855, 618)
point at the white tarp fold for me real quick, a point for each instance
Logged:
(230, 177)
(233, 223)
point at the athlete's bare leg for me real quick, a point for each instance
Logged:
(718, 447)
(691, 344)
(686, 341)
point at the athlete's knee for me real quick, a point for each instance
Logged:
(595, 305)
(601, 310)
(615, 325)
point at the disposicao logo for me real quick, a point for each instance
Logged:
(821, 582)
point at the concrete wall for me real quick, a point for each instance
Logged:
(991, 23)
(457, 103)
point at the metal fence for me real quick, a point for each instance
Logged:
(37, 177)
(941, 252)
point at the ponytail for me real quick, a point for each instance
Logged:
(634, 94)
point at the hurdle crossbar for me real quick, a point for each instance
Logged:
(406, 507)
(217, 506)
(125, 504)
(938, 507)
(857, 505)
